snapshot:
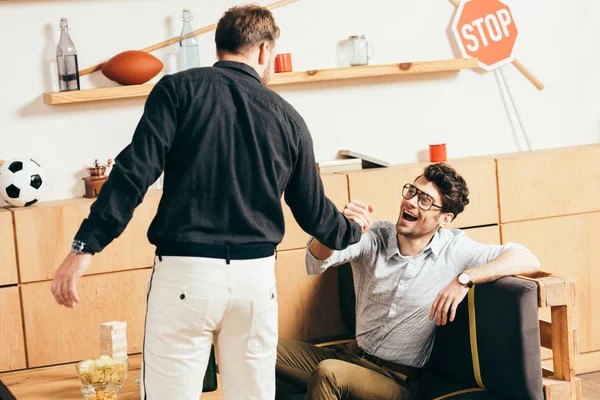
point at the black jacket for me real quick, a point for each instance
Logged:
(229, 147)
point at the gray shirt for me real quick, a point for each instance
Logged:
(394, 293)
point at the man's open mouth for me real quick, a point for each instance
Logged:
(407, 215)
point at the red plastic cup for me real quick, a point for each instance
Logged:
(437, 152)
(283, 63)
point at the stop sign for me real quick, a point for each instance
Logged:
(485, 29)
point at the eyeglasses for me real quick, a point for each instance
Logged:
(425, 201)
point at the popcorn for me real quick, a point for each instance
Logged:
(103, 370)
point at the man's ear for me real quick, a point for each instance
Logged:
(445, 219)
(263, 53)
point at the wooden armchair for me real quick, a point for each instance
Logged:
(493, 348)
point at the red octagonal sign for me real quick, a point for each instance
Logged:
(485, 29)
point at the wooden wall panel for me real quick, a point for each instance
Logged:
(56, 334)
(49, 228)
(485, 235)
(336, 188)
(549, 183)
(383, 189)
(568, 246)
(8, 257)
(308, 305)
(12, 345)
(584, 363)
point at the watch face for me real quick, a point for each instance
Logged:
(464, 278)
(77, 246)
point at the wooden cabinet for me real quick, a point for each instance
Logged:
(336, 188)
(56, 334)
(382, 188)
(309, 307)
(8, 259)
(45, 233)
(568, 246)
(549, 183)
(12, 347)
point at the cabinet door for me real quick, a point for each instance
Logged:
(12, 349)
(56, 334)
(309, 307)
(50, 227)
(568, 246)
(8, 260)
(549, 183)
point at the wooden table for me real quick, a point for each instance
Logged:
(61, 382)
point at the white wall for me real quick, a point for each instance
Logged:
(390, 118)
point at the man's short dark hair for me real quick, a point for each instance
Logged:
(452, 187)
(244, 27)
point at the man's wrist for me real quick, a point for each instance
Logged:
(79, 247)
(465, 279)
(319, 250)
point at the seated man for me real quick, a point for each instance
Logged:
(408, 278)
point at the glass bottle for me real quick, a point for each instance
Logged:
(66, 60)
(210, 377)
(188, 43)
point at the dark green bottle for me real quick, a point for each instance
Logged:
(210, 377)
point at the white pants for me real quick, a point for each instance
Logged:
(194, 301)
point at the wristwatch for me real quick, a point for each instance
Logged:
(465, 279)
(79, 247)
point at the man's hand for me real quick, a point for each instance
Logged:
(360, 213)
(447, 301)
(64, 285)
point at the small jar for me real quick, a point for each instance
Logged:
(358, 50)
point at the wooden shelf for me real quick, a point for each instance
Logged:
(323, 75)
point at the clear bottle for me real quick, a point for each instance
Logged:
(66, 60)
(188, 44)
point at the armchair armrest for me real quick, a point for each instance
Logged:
(559, 335)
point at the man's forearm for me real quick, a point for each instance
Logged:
(511, 262)
(319, 250)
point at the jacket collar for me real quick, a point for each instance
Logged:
(238, 66)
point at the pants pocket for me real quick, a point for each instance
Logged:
(175, 323)
(263, 331)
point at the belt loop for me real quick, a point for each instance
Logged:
(227, 254)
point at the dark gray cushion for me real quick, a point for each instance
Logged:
(508, 341)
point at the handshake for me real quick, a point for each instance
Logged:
(360, 213)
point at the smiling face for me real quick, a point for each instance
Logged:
(414, 221)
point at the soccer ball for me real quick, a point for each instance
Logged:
(22, 182)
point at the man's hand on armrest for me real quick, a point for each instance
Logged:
(356, 211)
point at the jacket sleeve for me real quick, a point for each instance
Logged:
(313, 211)
(136, 168)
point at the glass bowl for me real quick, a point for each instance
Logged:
(101, 392)
(103, 377)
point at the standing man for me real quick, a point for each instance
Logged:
(230, 148)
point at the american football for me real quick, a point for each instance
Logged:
(132, 67)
